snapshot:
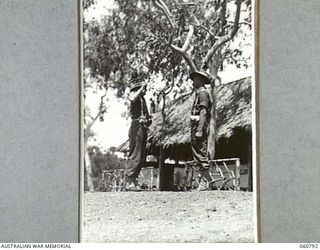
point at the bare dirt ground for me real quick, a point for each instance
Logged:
(208, 216)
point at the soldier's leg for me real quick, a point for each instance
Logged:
(134, 158)
(197, 144)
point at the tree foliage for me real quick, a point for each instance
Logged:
(87, 3)
(170, 39)
(104, 161)
(137, 35)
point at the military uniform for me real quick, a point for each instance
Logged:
(137, 137)
(199, 144)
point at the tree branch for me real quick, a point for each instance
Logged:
(242, 23)
(163, 7)
(222, 40)
(198, 24)
(183, 51)
(223, 14)
(90, 124)
(208, 31)
(90, 116)
(188, 39)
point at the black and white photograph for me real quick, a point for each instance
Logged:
(169, 121)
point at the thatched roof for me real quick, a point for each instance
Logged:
(233, 111)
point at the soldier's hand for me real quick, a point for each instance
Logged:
(199, 134)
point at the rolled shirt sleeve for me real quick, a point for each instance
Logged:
(204, 100)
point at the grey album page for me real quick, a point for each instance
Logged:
(289, 115)
(39, 103)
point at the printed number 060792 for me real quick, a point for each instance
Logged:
(308, 245)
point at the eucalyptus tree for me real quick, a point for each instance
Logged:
(186, 36)
(169, 38)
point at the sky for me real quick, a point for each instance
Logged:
(113, 131)
(98, 10)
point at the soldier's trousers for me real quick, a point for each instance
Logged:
(137, 149)
(199, 145)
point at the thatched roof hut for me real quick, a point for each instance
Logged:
(234, 113)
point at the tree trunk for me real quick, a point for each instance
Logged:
(88, 169)
(250, 164)
(87, 162)
(212, 126)
(214, 67)
(162, 181)
(161, 153)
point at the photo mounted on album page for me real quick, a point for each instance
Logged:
(169, 121)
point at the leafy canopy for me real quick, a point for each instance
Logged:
(136, 35)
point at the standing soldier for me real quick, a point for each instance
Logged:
(140, 121)
(200, 118)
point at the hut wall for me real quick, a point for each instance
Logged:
(244, 177)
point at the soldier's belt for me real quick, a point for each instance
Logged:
(195, 118)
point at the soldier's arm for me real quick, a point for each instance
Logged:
(134, 95)
(204, 104)
(202, 120)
